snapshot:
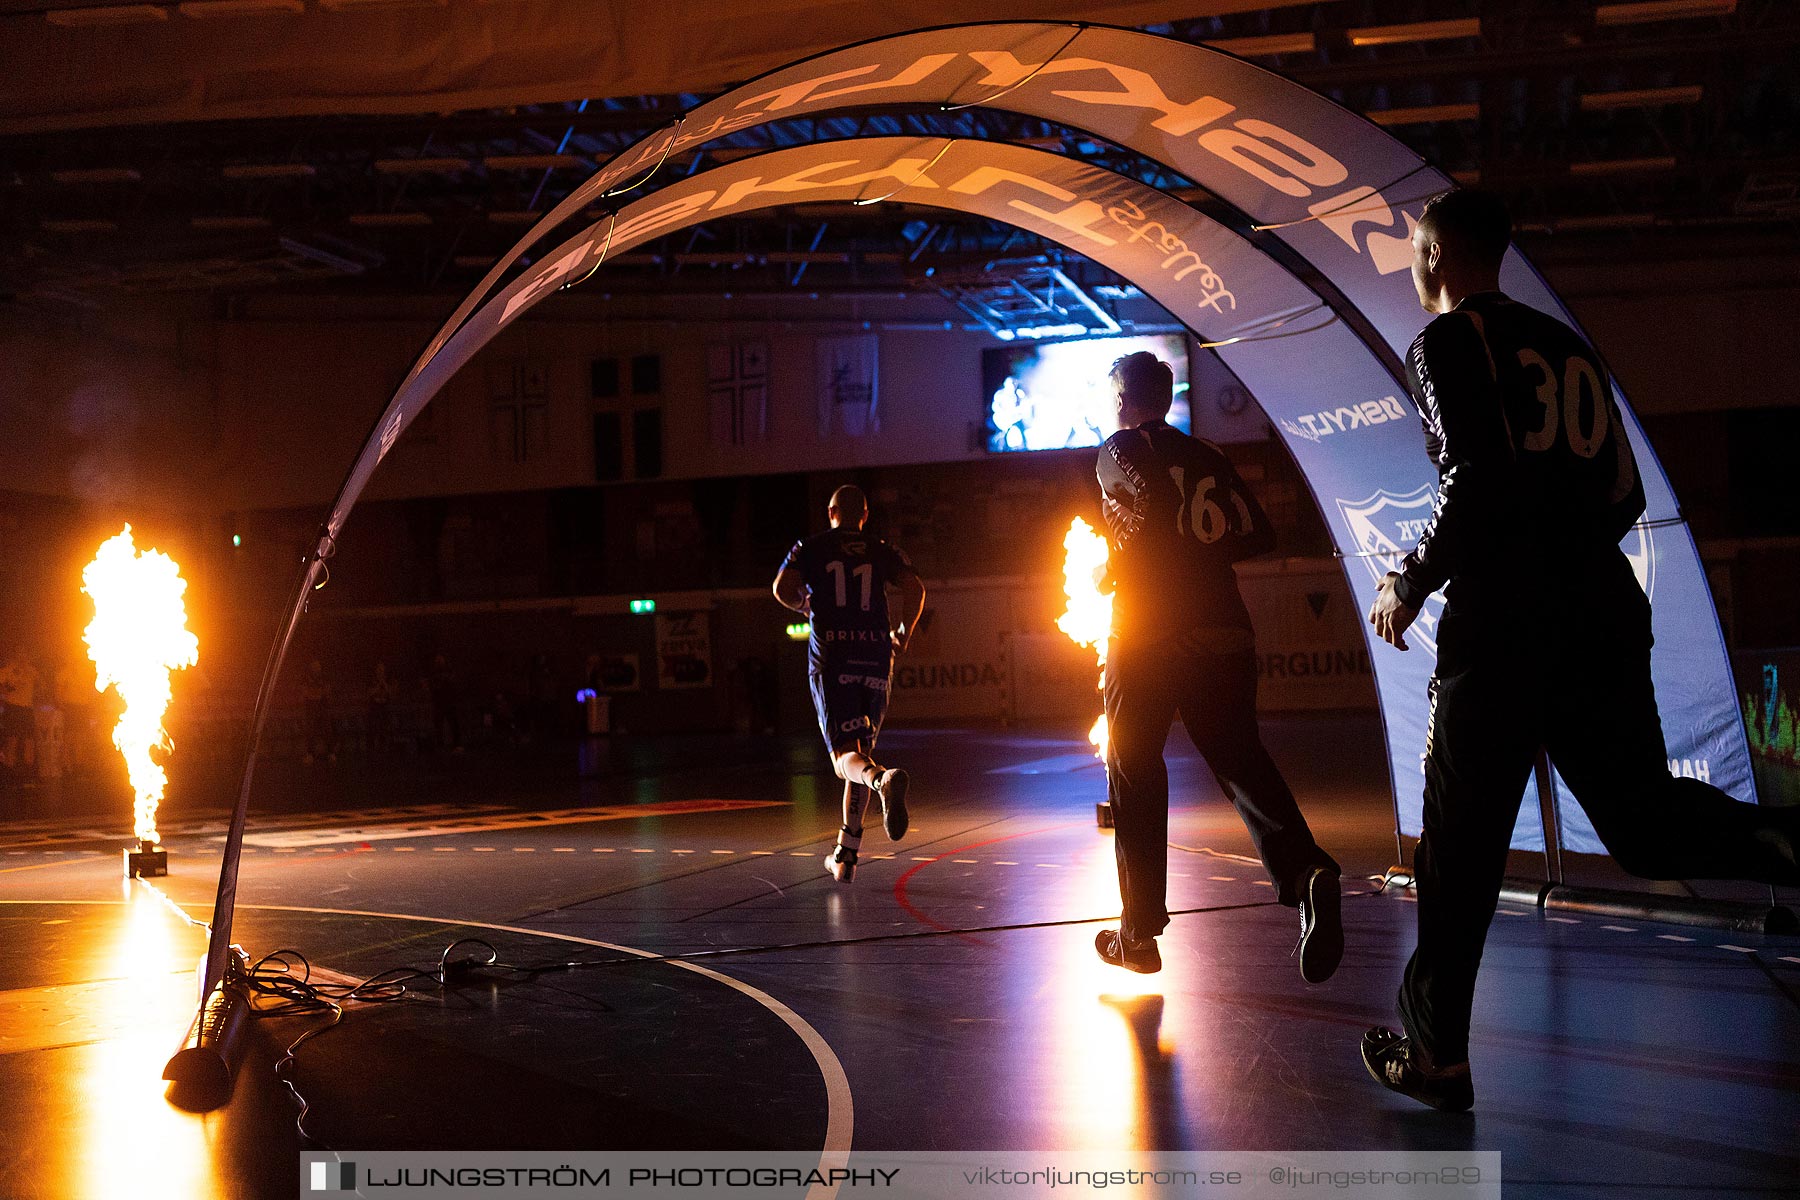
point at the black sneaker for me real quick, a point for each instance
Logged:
(841, 863)
(890, 785)
(1142, 957)
(1321, 927)
(1398, 1065)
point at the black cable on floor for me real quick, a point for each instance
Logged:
(280, 984)
(283, 977)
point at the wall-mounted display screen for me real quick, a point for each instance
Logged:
(1054, 395)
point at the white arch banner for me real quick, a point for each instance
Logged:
(1335, 190)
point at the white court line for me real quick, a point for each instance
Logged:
(1789, 958)
(1620, 928)
(1739, 949)
(1563, 920)
(1673, 937)
(965, 860)
(840, 1113)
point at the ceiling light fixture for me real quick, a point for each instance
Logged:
(1273, 43)
(80, 226)
(228, 224)
(1645, 11)
(1641, 98)
(1416, 31)
(1425, 114)
(1622, 166)
(200, 10)
(532, 162)
(110, 14)
(97, 175)
(422, 166)
(393, 220)
(269, 171)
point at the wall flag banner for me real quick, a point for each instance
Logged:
(1333, 189)
(849, 395)
(683, 650)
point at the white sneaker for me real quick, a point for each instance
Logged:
(891, 786)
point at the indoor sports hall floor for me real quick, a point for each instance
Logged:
(948, 999)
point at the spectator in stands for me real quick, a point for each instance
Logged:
(18, 698)
(315, 696)
(380, 728)
(446, 701)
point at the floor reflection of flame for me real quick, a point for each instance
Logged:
(129, 1141)
(1116, 1067)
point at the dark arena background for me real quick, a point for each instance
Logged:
(476, 363)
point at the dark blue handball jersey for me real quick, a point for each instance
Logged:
(847, 574)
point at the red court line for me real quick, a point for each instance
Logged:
(920, 917)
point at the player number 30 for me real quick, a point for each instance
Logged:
(1580, 391)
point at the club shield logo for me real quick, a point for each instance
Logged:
(1383, 527)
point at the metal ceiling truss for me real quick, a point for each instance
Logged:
(1588, 116)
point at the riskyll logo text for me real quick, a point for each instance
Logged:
(1313, 426)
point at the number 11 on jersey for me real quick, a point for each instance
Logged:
(865, 574)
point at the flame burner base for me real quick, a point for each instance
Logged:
(146, 861)
(1103, 815)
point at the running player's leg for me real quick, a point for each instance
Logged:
(1218, 707)
(1606, 741)
(1140, 703)
(1480, 741)
(841, 725)
(856, 803)
(891, 783)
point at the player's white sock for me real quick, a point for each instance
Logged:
(848, 839)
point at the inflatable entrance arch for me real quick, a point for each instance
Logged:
(1334, 190)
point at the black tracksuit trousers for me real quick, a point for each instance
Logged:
(1147, 683)
(1575, 681)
